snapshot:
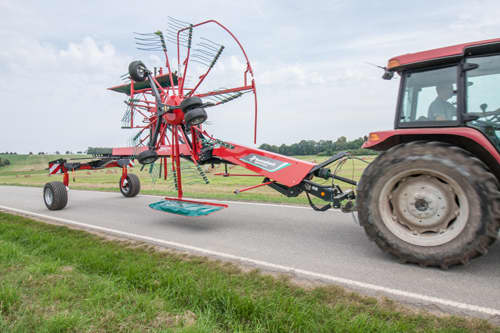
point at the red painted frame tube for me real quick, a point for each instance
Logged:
(66, 178)
(175, 132)
(124, 175)
(235, 175)
(252, 187)
(197, 202)
(225, 91)
(249, 67)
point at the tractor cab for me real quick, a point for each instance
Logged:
(451, 91)
(432, 196)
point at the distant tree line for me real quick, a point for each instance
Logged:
(57, 152)
(322, 147)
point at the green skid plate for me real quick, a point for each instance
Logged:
(185, 208)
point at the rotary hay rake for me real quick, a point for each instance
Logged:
(167, 107)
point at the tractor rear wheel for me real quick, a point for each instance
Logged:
(131, 186)
(429, 203)
(55, 195)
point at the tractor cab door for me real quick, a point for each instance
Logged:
(482, 95)
(428, 98)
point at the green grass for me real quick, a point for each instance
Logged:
(29, 170)
(54, 279)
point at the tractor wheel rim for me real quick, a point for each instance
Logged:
(125, 187)
(48, 196)
(424, 207)
(197, 121)
(140, 71)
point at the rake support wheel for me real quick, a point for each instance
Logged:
(190, 103)
(55, 195)
(195, 117)
(131, 186)
(147, 157)
(429, 203)
(137, 71)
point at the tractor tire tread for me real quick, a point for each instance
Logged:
(134, 184)
(59, 195)
(401, 152)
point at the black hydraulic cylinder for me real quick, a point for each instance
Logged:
(327, 173)
(345, 180)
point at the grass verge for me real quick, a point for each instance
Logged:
(55, 279)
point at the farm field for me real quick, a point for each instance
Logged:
(31, 170)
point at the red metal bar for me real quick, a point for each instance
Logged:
(66, 178)
(174, 172)
(249, 67)
(227, 30)
(165, 173)
(252, 187)
(235, 175)
(124, 175)
(131, 108)
(198, 202)
(175, 131)
(225, 91)
(255, 121)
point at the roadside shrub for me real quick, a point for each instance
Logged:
(4, 162)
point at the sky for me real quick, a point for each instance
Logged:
(310, 61)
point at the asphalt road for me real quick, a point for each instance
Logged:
(325, 246)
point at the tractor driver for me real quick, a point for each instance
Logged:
(440, 108)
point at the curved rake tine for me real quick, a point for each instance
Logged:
(144, 33)
(208, 40)
(213, 49)
(204, 52)
(151, 39)
(201, 57)
(151, 49)
(177, 20)
(155, 43)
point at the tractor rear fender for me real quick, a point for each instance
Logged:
(467, 138)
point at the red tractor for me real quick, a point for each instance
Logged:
(432, 197)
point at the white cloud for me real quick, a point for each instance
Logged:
(57, 59)
(55, 98)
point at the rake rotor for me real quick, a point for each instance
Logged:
(166, 107)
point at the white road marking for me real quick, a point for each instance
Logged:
(271, 266)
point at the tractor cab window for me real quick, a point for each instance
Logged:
(429, 96)
(483, 99)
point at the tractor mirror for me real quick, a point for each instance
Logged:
(388, 75)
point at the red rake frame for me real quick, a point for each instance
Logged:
(171, 90)
(164, 100)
